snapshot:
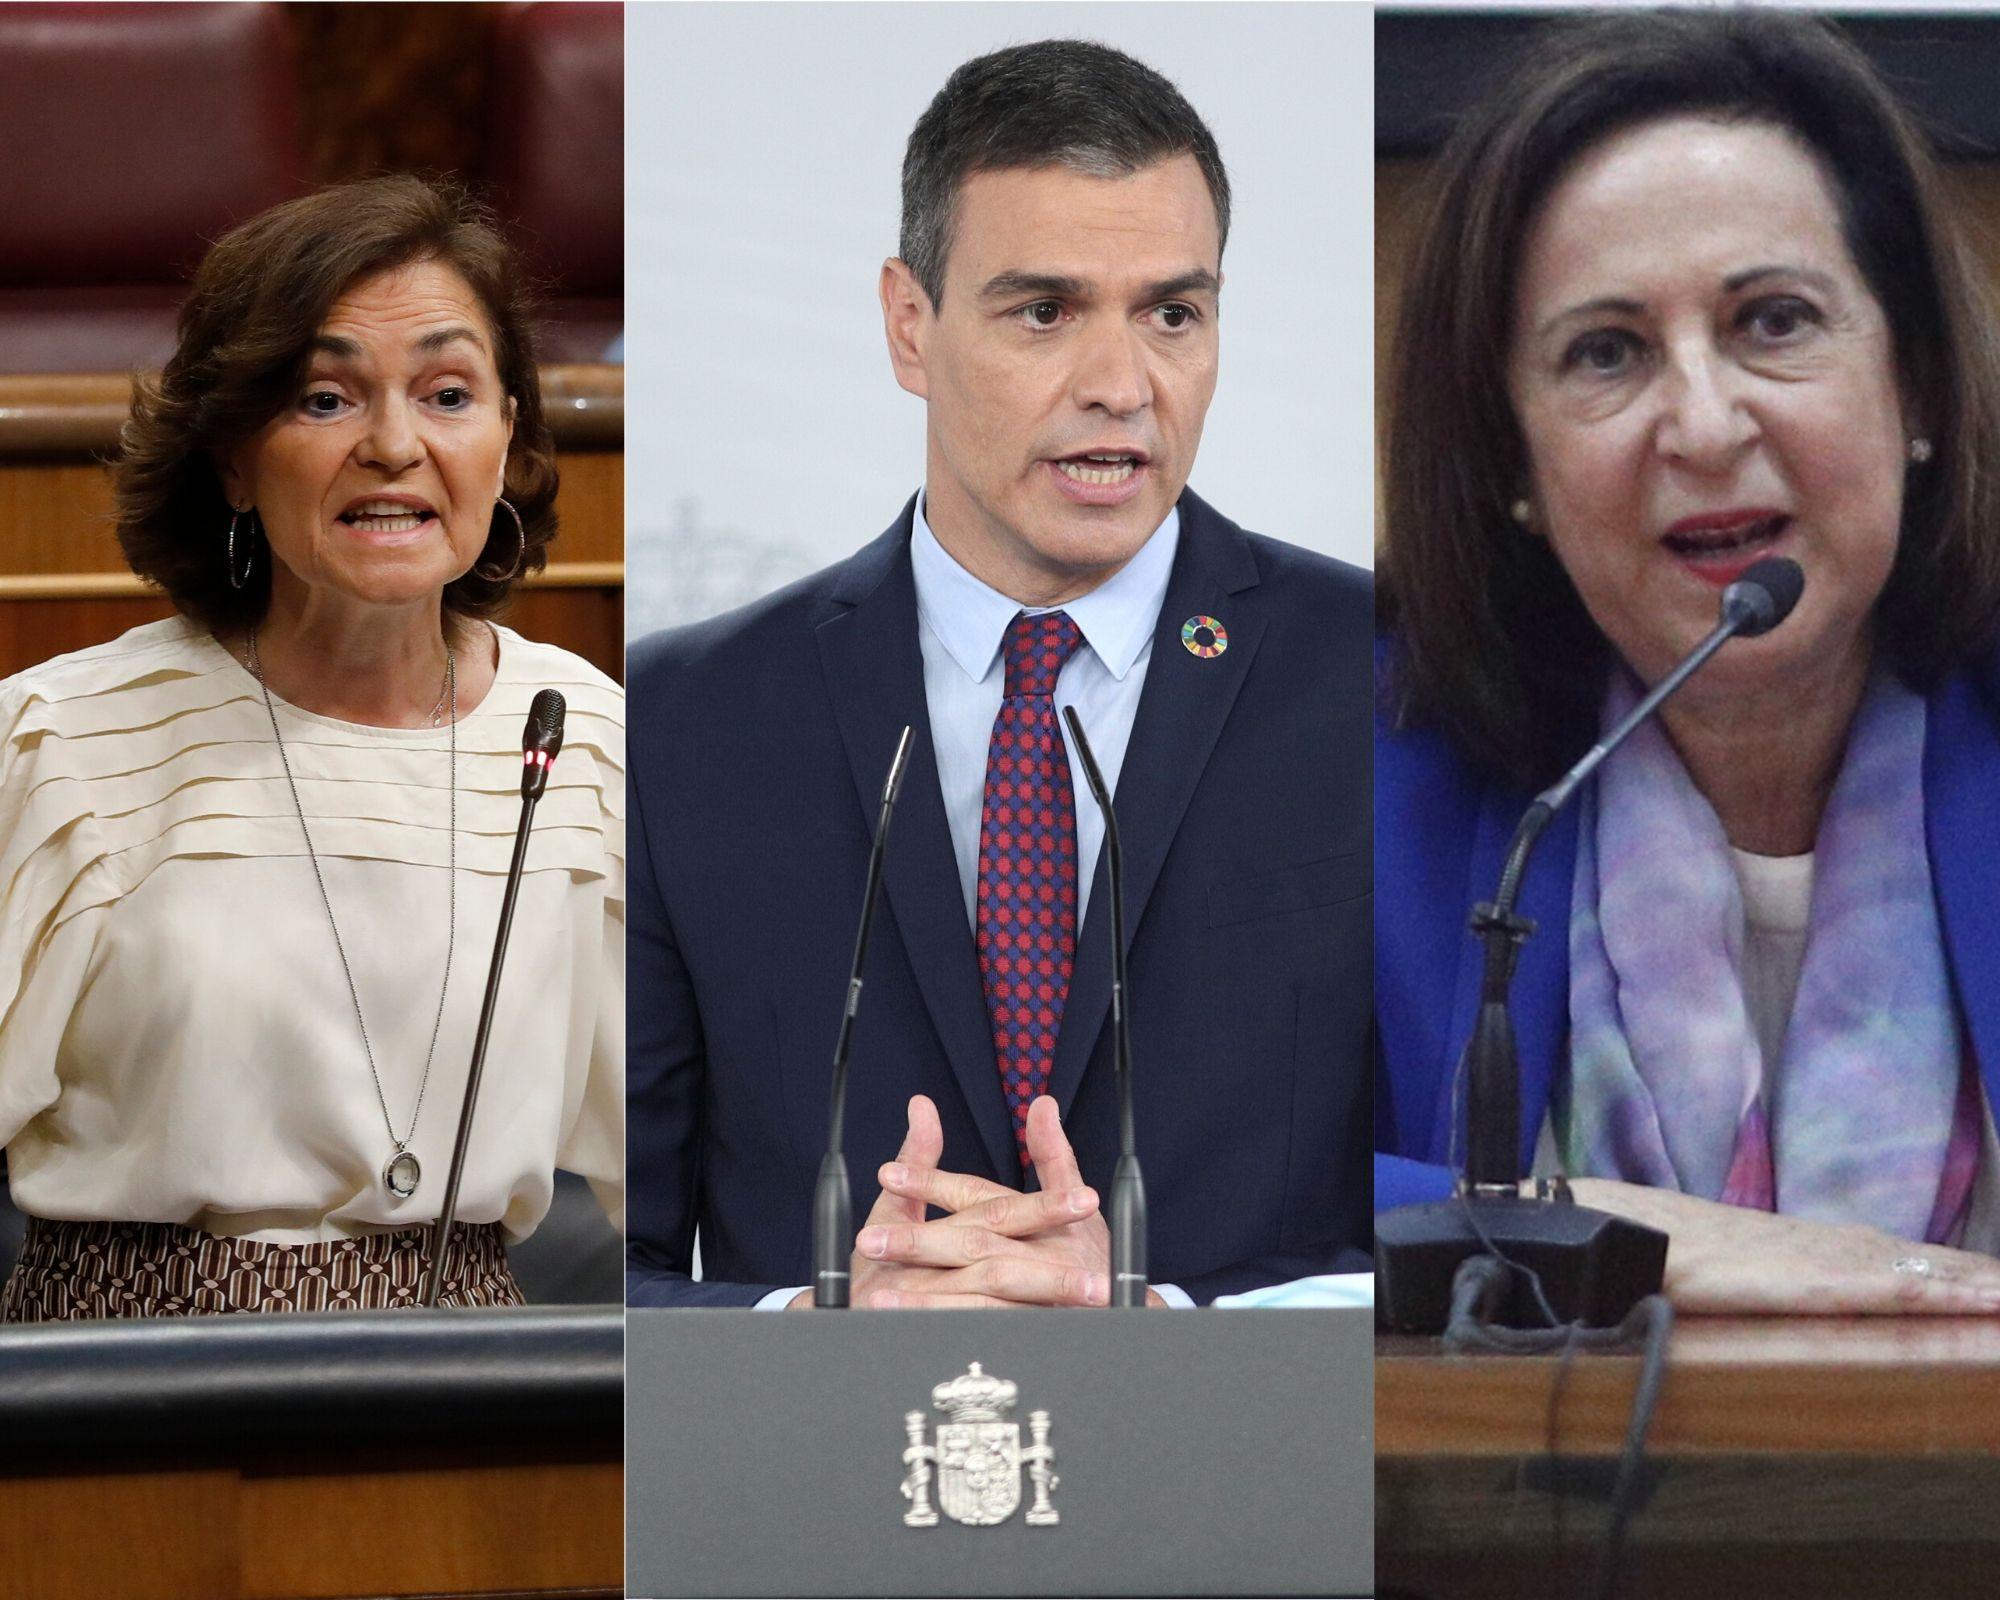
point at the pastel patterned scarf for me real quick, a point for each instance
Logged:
(1872, 1113)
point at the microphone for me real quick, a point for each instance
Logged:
(1128, 1189)
(833, 1213)
(541, 741)
(1595, 1267)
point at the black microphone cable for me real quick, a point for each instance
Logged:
(1480, 1288)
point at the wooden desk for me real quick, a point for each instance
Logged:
(307, 1529)
(314, 1456)
(1809, 1458)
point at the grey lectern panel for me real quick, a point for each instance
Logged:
(1192, 1452)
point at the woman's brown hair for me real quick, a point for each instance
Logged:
(1488, 640)
(245, 337)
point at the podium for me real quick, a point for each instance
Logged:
(286, 1457)
(1180, 1453)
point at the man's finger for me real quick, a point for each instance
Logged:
(1035, 1280)
(949, 1191)
(923, 1145)
(922, 1149)
(930, 1244)
(1020, 1215)
(996, 1228)
(1048, 1147)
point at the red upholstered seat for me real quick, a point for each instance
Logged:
(556, 154)
(134, 135)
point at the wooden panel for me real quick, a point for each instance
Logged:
(1860, 1569)
(591, 506)
(35, 630)
(437, 1532)
(69, 413)
(1736, 1385)
(225, 1535)
(55, 516)
(80, 1538)
(64, 586)
(79, 414)
(589, 621)
(1788, 1457)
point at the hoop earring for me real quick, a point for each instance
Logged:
(520, 550)
(238, 580)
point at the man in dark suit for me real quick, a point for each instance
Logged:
(1055, 304)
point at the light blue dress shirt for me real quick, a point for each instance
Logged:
(961, 624)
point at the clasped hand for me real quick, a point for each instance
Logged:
(994, 1246)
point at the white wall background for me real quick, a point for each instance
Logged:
(765, 436)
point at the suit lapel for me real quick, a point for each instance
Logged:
(1961, 818)
(875, 678)
(1182, 709)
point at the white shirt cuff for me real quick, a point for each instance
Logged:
(1172, 1293)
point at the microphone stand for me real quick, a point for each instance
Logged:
(540, 745)
(1582, 1265)
(1128, 1188)
(833, 1204)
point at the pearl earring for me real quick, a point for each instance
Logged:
(1920, 450)
(1521, 511)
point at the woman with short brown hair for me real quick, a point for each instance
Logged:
(250, 856)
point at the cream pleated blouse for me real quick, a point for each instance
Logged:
(177, 1040)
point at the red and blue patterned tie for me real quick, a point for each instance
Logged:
(1027, 865)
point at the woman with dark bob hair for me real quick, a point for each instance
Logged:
(250, 857)
(1688, 297)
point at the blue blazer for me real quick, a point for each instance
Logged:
(759, 744)
(1441, 833)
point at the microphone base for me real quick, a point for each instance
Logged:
(1594, 1267)
(833, 1234)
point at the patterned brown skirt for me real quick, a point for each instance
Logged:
(77, 1271)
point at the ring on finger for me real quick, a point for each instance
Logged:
(1915, 1266)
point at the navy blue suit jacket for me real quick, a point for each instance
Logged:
(759, 744)
(1441, 836)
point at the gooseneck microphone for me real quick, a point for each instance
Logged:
(1128, 1188)
(833, 1206)
(541, 742)
(1595, 1267)
(1754, 604)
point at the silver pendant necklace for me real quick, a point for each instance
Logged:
(402, 1172)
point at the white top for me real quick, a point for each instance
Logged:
(1777, 909)
(177, 1041)
(1777, 906)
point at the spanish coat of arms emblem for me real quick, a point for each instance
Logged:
(977, 1459)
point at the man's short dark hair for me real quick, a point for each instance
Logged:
(1055, 103)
